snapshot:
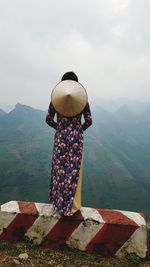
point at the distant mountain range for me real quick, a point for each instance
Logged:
(2, 113)
(116, 164)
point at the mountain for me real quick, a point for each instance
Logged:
(25, 154)
(113, 105)
(116, 160)
(2, 113)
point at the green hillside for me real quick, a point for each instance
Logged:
(2, 113)
(116, 161)
(24, 155)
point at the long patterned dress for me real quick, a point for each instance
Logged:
(67, 160)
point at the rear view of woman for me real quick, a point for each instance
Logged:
(69, 102)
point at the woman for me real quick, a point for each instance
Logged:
(65, 185)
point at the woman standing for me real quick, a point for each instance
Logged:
(69, 102)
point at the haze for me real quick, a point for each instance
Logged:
(106, 43)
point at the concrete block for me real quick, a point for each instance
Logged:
(105, 232)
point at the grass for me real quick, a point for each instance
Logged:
(65, 257)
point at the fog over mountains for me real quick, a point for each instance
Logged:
(116, 163)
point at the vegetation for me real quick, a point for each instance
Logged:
(65, 257)
(116, 159)
(115, 175)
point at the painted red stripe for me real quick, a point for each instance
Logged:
(61, 232)
(115, 232)
(18, 227)
(110, 238)
(115, 217)
(27, 208)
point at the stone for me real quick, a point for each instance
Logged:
(101, 231)
(23, 256)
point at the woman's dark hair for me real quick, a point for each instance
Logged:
(69, 76)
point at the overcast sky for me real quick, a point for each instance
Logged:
(105, 42)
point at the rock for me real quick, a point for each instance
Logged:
(23, 256)
(16, 261)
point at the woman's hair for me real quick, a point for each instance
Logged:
(70, 76)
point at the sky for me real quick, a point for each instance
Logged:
(105, 42)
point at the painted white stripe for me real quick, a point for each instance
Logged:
(5, 220)
(41, 227)
(90, 213)
(44, 209)
(137, 243)
(11, 206)
(84, 233)
(134, 216)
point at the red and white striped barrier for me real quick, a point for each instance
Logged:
(105, 232)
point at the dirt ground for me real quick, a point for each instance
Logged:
(27, 254)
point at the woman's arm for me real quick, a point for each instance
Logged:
(87, 117)
(50, 116)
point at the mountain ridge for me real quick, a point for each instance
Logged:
(2, 113)
(115, 161)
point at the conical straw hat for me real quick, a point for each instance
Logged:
(69, 98)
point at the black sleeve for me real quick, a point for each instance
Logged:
(87, 117)
(50, 116)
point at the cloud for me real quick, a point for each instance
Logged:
(105, 42)
(118, 6)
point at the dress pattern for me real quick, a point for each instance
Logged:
(67, 156)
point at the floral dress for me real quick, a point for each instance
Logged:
(67, 157)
